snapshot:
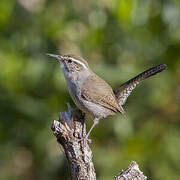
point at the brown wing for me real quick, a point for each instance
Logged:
(96, 90)
(123, 91)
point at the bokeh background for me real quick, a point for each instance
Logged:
(120, 38)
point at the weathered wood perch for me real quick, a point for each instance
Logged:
(69, 129)
(131, 173)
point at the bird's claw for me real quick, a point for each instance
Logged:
(85, 138)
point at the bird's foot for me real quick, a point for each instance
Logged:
(85, 138)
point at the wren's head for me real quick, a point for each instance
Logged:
(70, 63)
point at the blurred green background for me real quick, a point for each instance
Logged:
(120, 38)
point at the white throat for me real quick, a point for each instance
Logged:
(77, 77)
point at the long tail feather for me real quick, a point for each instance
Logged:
(123, 91)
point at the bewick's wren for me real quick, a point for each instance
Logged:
(91, 93)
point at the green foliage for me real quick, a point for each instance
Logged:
(120, 38)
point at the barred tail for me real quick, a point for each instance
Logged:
(148, 73)
(123, 91)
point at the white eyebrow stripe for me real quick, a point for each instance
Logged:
(79, 62)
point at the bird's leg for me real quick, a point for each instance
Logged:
(95, 122)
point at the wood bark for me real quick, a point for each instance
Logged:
(69, 130)
(131, 173)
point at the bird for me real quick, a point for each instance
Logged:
(91, 93)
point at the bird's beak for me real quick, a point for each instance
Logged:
(58, 57)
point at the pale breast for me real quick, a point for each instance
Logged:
(75, 86)
(88, 107)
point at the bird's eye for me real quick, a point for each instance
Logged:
(69, 61)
